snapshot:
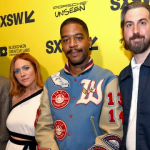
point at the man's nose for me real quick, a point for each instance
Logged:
(136, 29)
(73, 43)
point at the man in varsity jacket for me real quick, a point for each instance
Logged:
(81, 104)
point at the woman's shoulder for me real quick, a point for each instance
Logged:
(16, 99)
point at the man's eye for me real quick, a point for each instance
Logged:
(65, 40)
(129, 25)
(79, 38)
(26, 68)
(17, 71)
(143, 23)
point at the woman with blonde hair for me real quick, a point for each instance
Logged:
(26, 87)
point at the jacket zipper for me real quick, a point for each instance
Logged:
(92, 120)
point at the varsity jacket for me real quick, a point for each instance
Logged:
(143, 104)
(82, 112)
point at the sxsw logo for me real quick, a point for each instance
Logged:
(3, 51)
(54, 46)
(119, 4)
(16, 18)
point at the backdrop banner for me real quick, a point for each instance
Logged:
(34, 27)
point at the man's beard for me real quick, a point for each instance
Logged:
(137, 47)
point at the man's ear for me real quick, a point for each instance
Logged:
(90, 42)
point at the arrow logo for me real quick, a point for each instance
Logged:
(93, 41)
(28, 17)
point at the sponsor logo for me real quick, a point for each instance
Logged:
(54, 46)
(60, 99)
(13, 50)
(16, 19)
(113, 141)
(67, 9)
(119, 4)
(3, 51)
(60, 129)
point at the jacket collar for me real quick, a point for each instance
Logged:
(86, 69)
(128, 69)
(147, 61)
(127, 72)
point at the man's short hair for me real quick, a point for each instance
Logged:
(75, 20)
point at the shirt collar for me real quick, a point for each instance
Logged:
(133, 63)
(86, 69)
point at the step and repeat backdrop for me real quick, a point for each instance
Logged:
(34, 27)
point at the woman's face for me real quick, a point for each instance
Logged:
(24, 73)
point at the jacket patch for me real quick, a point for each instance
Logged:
(60, 129)
(98, 147)
(91, 92)
(58, 80)
(60, 99)
(113, 141)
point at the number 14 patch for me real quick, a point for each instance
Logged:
(110, 103)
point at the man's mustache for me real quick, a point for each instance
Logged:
(136, 35)
(70, 51)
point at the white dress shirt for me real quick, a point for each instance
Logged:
(131, 133)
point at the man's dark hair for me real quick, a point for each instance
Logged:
(129, 6)
(75, 20)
